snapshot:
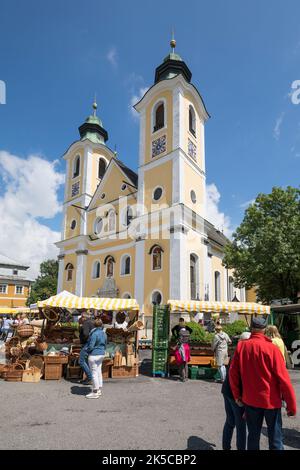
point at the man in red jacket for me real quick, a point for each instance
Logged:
(259, 380)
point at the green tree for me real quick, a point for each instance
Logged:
(265, 251)
(45, 284)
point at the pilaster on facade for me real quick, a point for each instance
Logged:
(139, 272)
(60, 278)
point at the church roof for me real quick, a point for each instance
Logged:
(132, 175)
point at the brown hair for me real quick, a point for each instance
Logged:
(98, 322)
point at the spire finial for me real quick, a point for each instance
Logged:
(115, 151)
(173, 42)
(95, 106)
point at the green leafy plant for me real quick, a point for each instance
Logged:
(236, 328)
(199, 334)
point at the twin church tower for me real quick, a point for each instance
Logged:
(144, 235)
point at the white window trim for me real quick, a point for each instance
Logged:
(151, 295)
(193, 202)
(126, 255)
(92, 273)
(153, 111)
(154, 189)
(162, 263)
(215, 286)
(71, 224)
(73, 166)
(19, 293)
(114, 230)
(107, 163)
(67, 270)
(6, 285)
(109, 277)
(126, 293)
(195, 117)
(95, 223)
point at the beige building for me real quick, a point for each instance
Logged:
(14, 283)
(146, 234)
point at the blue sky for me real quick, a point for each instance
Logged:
(244, 57)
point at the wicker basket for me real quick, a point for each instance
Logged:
(37, 361)
(124, 372)
(25, 331)
(51, 315)
(16, 351)
(14, 373)
(41, 346)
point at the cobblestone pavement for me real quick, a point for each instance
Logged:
(142, 413)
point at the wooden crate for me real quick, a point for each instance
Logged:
(123, 372)
(53, 371)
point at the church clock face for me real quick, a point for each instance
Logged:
(159, 146)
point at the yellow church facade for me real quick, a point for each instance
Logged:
(144, 234)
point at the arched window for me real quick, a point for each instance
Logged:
(156, 252)
(96, 270)
(159, 117)
(128, 216)
(217, 286)
(76, 166)
(111, 221)
(101, 168)
(69, 269)
(125, 265)
(156, 298)
(194, 282)
(230, 288)
(192, 120)
(98, 226)
(109, 261)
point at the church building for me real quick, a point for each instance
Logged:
(144, 234)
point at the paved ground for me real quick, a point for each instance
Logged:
(143, 413)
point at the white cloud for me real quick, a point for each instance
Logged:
(246, 204)
(277, 128)
(30, 192)
(135, 99)
(218, 219)
(112, 56)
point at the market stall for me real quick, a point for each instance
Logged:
(55, 349)
(121, 324)
(202, 356)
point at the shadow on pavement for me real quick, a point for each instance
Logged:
(196, 443)
(291, 437)
(80, 390)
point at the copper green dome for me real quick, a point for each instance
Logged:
(172, 66)
(92, 128)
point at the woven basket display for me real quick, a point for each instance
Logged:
(51, 315)
(14, 373)
(25, 331)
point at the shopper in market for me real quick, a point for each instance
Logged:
(259, 381)
(219, 346)
(235, 414)
(85, 328)
(182, 333)
(180, 329)
(96, 347)
(273, 333)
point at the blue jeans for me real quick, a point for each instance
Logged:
(83, 362)
(255, 418)
(234, 419)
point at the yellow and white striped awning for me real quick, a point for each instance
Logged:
(195, 306)
(14, 310)
(67, 300)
